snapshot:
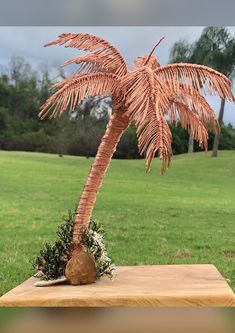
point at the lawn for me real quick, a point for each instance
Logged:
(185, 216)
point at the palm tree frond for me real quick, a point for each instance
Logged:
(62, 83)
(198, 76)
(73, 90)
(198, 104)
(147, 97)
(191, 122)
(90, 63)
(97, 46)
(154, 136)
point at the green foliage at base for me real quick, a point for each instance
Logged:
(93, 240)
(53, 258)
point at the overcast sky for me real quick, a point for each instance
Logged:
(131, 41)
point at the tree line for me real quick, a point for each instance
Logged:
(23, 90)
(214, 48)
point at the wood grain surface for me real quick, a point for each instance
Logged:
(156, 286)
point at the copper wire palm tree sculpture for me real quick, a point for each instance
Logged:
(149, 95)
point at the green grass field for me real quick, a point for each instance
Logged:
(185, 216)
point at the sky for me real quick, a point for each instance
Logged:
(132, 41)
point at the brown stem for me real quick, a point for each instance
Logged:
(153, 49)
(190, 143)
(217, 135)
(115, 128)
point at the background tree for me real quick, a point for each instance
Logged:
(44, 82)
(4, 91)
(23, 99)
(216, 48)
(20, 128)
(183, 51)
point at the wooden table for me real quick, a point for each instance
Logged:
(156, 286)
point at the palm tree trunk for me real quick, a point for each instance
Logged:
(217, 136)
(115, 128)
(190, 144)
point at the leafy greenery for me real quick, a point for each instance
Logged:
(53, 259)
(93, 240)
(185, 216)
(216, 48)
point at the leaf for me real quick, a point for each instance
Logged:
(147, 98)
(97, 46)
(74, 89)
(199, 77)
(90, 63)
(197, 104)
(191, 122)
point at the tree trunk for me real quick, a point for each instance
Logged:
(115, 128)
(190, 144)
(217, 136)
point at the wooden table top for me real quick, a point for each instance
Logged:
(163, 285)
